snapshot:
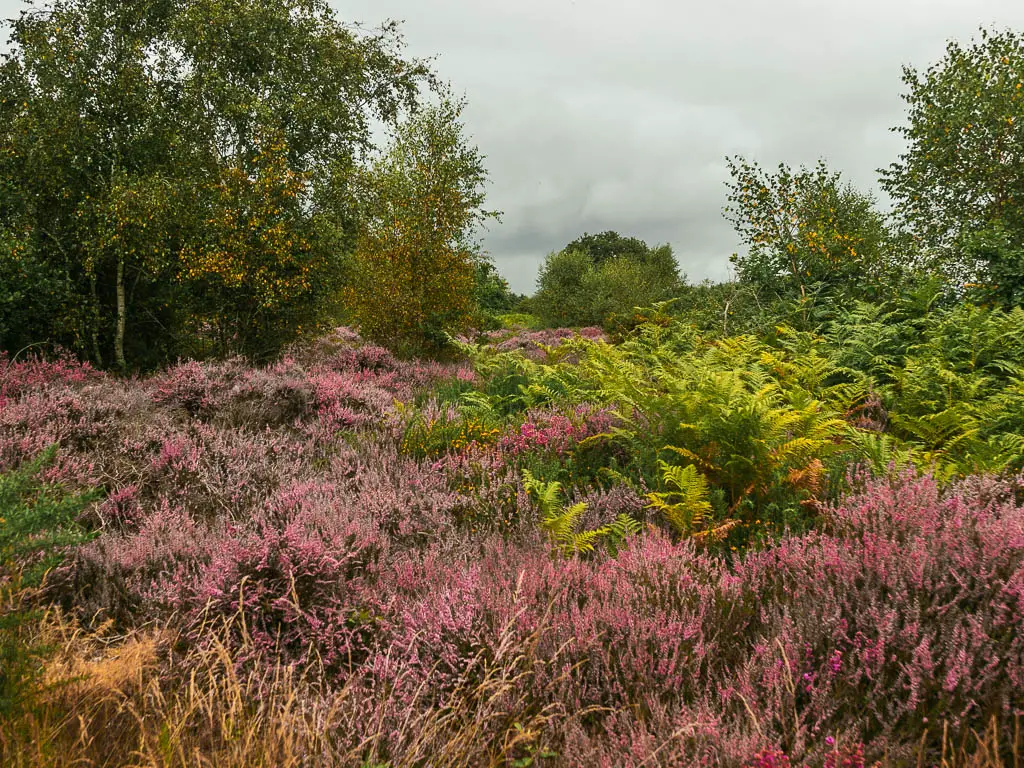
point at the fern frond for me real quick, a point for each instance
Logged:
(686, 505)
(624, 526)
(881, 452)
(562, 524)
(689, 455)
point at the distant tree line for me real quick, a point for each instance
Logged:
(185, 178)
(194, 177)
(601, 280)
(813, 244)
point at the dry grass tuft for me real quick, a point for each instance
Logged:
(127, 701)
(130, 701)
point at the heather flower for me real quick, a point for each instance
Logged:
(187, 385)
(18, 377)
(556, 432)
(278, 505)
(769, 758)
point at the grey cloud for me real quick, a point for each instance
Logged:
(601, 114)
(606, 114)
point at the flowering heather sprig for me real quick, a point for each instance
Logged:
(556, 432)
(297, 576)
(187, 385)
(34, 372)
(844, 756)
(605, 505)
(121, 508)
(467, 376)
(81, 419)
(530, 343)
(769, 758)
(344, 402)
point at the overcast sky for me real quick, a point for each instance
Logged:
(618, 114)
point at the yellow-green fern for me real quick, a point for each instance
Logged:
(686, 505)
(562, 523)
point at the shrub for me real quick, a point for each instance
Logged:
(37, 523)
(601, 280)
(406, 586)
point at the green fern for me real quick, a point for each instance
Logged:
(759, 418)
(562, 523)
(38, 524)
(620, 529)
(880, 452)
(686, 506)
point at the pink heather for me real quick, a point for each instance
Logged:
(282, 495)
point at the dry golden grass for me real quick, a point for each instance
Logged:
(981, 750)
(129, 701)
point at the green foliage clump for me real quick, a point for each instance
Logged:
(959, 185)
(948, 383)
(417, 274)
(685, 505)
(496, 304)
(758, 421)
(439, 433)
(808, 236)
(772, 423)
(602, 279)
(562, 523)
(725, 309)
(37, 523)
(176, 178)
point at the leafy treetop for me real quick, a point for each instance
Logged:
(960, 183)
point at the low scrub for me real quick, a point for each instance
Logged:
(347, 559)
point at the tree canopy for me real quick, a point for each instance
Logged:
(600, 280)
(960, 183)
(175, 175)
(806, 232)
(422, 200)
